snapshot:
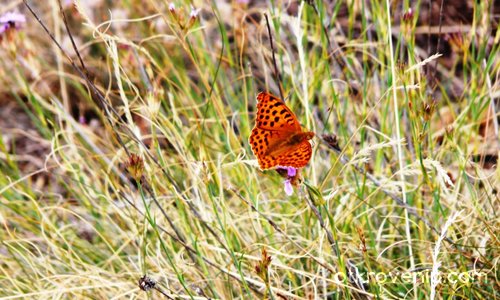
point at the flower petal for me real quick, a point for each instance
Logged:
(292, 172)
(288, 187)
(12, 17)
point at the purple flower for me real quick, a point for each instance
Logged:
(11, 20)
(291, 174)
(291, 171)
(288, 187)
(12, 17)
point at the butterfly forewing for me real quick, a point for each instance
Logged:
(273, 114)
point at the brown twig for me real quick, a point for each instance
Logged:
(65, 21)
(276, 73)
(438, 44)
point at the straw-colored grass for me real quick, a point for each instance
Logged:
(156, 178)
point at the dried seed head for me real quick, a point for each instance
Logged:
(408, 16)
(262, 268)
(135, 166)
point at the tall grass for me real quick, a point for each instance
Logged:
(152, 189)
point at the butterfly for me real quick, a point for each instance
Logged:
(277, 140)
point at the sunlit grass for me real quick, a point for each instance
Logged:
(159, 180)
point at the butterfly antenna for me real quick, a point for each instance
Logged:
(276, 73)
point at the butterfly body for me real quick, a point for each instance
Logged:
(277, 138)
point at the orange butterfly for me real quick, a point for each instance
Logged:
(277, 138)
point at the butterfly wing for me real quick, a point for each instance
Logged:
(260, 140)
(273, 114)
(297, 156)
(269, 140)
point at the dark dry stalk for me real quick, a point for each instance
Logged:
(179, 235)
(77, 69)
(102, 104)
(329, 235)
(71, 37)
(427, 67)
(434, 83)
(276, 73)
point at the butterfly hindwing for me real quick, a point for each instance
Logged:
(260, 140)
(296, 157)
